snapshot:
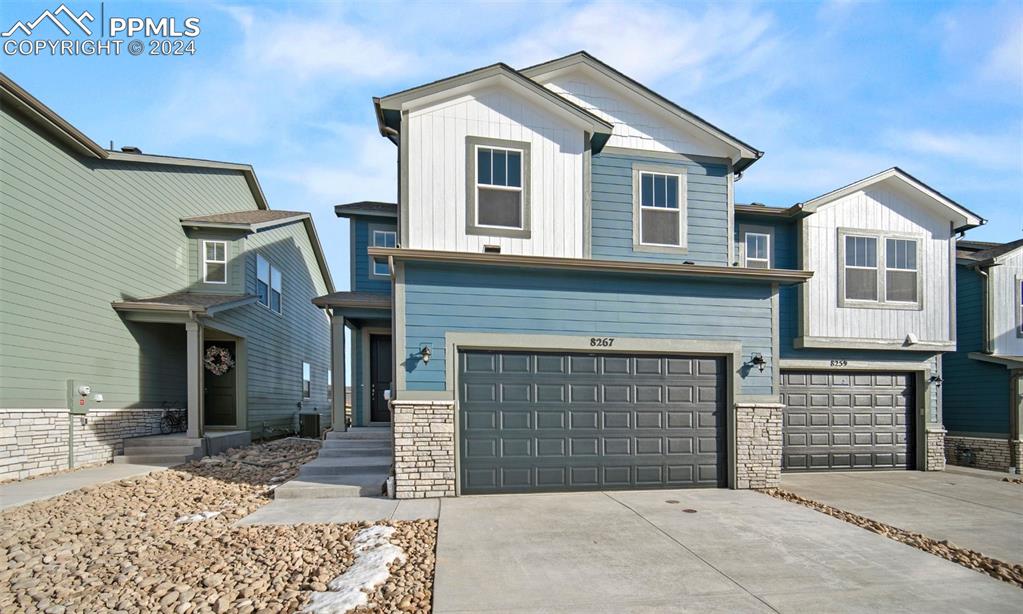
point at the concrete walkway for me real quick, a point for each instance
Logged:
(19, 493)
(644, 551)
(342, 509)
(969, 510)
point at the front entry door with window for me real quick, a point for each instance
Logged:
(379, 377)
(219, 390)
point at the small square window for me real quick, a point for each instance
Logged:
(758, 250)
(385, 238)
(380, 268)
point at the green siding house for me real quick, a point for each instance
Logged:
(124, 278)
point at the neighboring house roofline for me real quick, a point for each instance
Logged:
(395, 103)
(367, 208)
(368, 300)
(1009, 362)
(781, 276)
(793, 212)
(243, 222)
(992, 254)
(747, 153)
(62, 130)
(186, 302)
(967, 219)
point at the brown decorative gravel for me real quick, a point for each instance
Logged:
(117, 548)
(1007, 572)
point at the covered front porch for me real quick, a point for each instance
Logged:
(215, 394)
(367, 318)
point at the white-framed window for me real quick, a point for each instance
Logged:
(901, 273)
(269, 285)
(330, 384)
(381, 238)
(307, 380)
(1019, 306)
(861, 268)
(660, 209)
(758, 250)
(499, 194)
(214, 262)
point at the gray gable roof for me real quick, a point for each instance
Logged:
(372, 208)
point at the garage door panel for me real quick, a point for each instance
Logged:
(866, 422)
(628, 421)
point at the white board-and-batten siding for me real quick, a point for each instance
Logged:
(437, 173)
(878, 209)
(637, 123)
(1004, 280)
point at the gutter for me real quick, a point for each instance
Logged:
(780, 276)
(386, 131)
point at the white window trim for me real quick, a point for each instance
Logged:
(638, 245)
(371, 272)
(520, 189)
(882, 256)
(269, 285)
(916, 244)
(270, 295)
(1019, 306)
(384, 232)
(268, 274)
(373, 268)
(206, 262)
(746, 257)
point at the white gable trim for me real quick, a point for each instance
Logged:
(961, 216)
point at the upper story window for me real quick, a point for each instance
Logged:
(381, 238)
(758, 250)
(214, 262)
(1019, 306)
(879, 270)
(497, 182)
(659, 208)
(269, 284)
(307, 380)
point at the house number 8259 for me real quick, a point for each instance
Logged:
(839, 363)
(601, 342)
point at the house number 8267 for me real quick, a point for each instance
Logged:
(601, 342)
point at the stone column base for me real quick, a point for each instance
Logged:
(935, 453)
(424, 448)
(1017, 454)
(758, 443)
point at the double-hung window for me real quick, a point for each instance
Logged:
(307, 380)
(861, 268)
(758, 250)
(382, 238)
(1019, 306)
(269, 285)
(879, 270)
(497, 197)
(214, 262)
(901, 274)
(659, 208)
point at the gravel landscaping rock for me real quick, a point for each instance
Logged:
(118, 547)
(1007, 572)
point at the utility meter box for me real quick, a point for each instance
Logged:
(79, 396)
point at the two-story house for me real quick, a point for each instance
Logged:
(983, 393)
(144, 294)
(576, 301)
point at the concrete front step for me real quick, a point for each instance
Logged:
(183, 451)
(355, 444)
(345, 466)
(151, 459)
(362, 433)
(354, 452)
(328, 487)
(173, 440)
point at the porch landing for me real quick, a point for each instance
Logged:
(353, 463)
(177, 448)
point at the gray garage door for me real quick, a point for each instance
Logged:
(552, 422)
(842, 420)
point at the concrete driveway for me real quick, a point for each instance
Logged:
(980, 513)
(643, 552)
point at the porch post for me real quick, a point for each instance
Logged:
(193, 332)
(337, 366)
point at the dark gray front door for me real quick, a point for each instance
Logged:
(219, 390)
(379, 377)
(842, 420)
(554, 422)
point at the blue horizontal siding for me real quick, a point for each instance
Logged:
(363, 282)
(440, 299)
(976, 393)
(611, 219)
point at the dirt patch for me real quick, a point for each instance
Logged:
(165, 543)
(1007, 572)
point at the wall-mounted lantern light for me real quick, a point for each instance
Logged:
(936, 380)
(425, 352)
(757, 360)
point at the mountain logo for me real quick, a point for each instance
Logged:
(62, 10)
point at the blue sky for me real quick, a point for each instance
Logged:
(832, 92)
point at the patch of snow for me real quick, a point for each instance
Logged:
(374, 554)
(196, 517)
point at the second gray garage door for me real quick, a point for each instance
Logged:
(532, 422)
(842, 420)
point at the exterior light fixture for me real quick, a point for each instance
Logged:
(425, 352)
(936, 380)
(757, 360)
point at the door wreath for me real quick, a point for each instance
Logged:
(218, 360)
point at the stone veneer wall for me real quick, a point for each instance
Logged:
(935, 442)
(987, 452)
(424, 448)
(35, 441)
(758, 444)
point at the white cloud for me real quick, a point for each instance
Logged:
(1005, 61)
(1003, 151)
